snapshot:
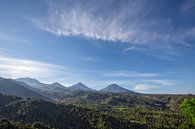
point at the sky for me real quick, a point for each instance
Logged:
(146, 46)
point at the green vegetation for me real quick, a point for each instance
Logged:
(6, 124)
(61, 116)
(88, 110)
(188, 110)
(155, 111)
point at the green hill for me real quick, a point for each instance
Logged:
(60, 116)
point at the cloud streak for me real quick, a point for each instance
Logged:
(188, 7)
(21, 67)
(90, 59)
(160, 82)
(144, 87)
(100, 20)
(46, 72)
(131, 74)
(12, 38)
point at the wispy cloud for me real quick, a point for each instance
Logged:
(102, 20)
(188, 7)
(134, 22)
(144, 87)
(13, 38)
(46, 72)
(160, 82)
(21, 67)
(131, 74)
(89, 59)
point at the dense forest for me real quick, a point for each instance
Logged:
(155, 111)
(6, 124)
(59, 116)
(42, 114)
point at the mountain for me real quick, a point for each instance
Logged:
(80, 86)
(57, 87)
(32, 82)
(52, 91)
(12, 87)
(114, 88)
(41, 86)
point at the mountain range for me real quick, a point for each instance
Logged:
(113, 106)
(80, 94)
(29, 87)
(54, 89)
(113, 88)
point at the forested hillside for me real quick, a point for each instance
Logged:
(155, 111)
(60, 116)
(6, 124)
(63, 116)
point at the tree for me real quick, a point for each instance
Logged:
(188, 110)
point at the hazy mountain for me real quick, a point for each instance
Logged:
(57, 87)
(54, 87)
(114, 88)
(52, 91)
(80, 86)
(32, 82)
(12, 87)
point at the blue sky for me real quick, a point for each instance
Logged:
(146, 46)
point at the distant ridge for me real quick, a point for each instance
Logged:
(80, 86)
(54, 87)
(114, 88)
(56, 90)
(57, 87)
(12, 87)
(31, 81)
(51, 91)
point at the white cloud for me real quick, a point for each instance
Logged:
(143, 87)
(191, 32)
(13, 38)
(188, 6)
(128, 22)
(131, 74)
(90, 59)
(160, 82)
(46, 72)
(134, 22)
(12, 67)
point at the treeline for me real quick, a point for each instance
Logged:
(6, 124)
